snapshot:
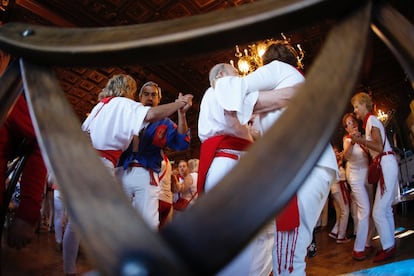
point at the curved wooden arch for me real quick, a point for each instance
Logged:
(163, 40)
(118, 240)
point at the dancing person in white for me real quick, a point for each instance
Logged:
(279, 72)
(59, 217)
(185, 186)
(376, 142)
(341, 200)
(140, 165)
(111, 126)
(356, 174)
(224, 140)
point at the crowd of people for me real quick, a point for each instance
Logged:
(130, 130)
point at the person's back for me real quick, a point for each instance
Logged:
(116, 119)
(287, 76)
(111, 125)
(106, 123)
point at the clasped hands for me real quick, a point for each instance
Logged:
(357, 137)
(187, 99)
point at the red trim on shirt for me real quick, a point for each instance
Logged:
(364, 122)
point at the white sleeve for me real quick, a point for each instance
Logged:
(247, 107)
(230, 93)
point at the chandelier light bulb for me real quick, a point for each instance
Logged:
(250, 58)
(243, 65)
(238, 54)
(261, 49)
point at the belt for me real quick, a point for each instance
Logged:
(227, 154)
(151, 172)
(135, 165)
(387, 153)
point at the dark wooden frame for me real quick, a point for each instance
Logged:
(205, 238)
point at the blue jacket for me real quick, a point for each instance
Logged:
(152, 140)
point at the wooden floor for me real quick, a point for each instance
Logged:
(41, 257)
(336, 259)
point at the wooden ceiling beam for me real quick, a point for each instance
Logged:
(41, 11)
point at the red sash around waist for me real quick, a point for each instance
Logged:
(208, 152)
(111, 155)
(381, 181)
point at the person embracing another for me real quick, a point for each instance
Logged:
(376, 142)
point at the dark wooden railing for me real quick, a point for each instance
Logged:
(203, 239)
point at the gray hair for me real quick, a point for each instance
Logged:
(214, 71)
(150, 83)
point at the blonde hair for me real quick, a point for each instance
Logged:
(193, 165)
(363, 98)
(119, 86)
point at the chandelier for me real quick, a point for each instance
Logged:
(250, 58)
(382, 116)
(385, 116)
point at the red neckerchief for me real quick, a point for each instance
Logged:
(106, 100)
(364, 123)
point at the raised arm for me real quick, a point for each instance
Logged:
(274, 99)
(183, 186)
(182, 120)
(164, 110)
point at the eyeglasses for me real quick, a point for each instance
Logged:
(152, 94)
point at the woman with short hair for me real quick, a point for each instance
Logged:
(375, 140)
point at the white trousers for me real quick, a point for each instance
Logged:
(71, 239)
(363, 195)
(382, 212)
(71, 242)
(342, 215)
(312, 196)
(256, 258)
(59, 216)
(353, 208)
(144, 197)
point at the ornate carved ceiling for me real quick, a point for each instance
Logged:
(382, 76)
